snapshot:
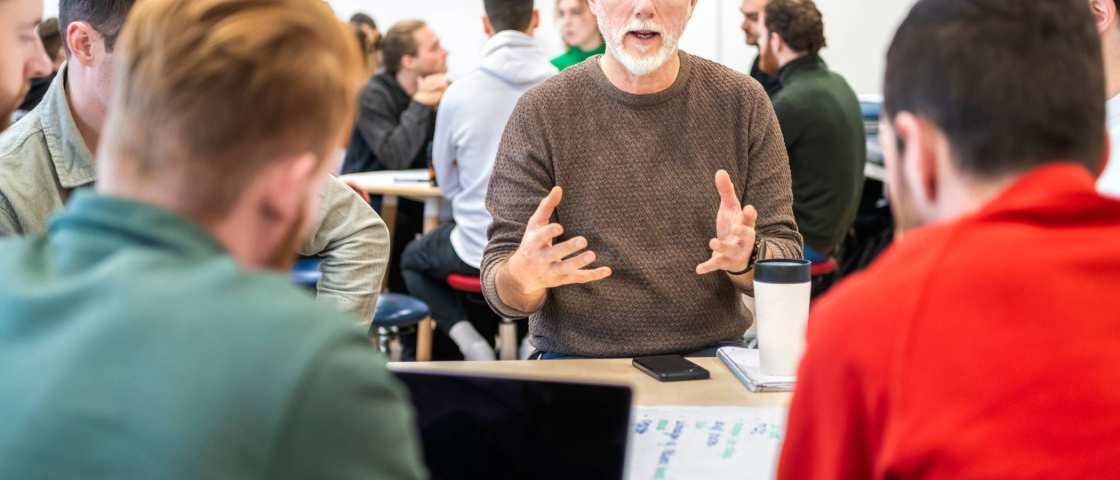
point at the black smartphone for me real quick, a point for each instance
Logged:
(671, 368)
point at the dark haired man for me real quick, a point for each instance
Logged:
(471, 120)
(985, 343)
(821, 123)
(49, 155)
(397, 119)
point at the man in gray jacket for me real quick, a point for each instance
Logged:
(471, 119)
(49, 154)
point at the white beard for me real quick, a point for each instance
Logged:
(638, 66)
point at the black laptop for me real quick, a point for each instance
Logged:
(478, 427)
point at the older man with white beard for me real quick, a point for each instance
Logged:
(646, 254)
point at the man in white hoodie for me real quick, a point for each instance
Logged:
(469, 127)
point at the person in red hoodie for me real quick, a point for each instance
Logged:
(986, 342)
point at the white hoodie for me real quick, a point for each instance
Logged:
(469, 126)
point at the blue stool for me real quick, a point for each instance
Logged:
(306, 273)
(396, 312)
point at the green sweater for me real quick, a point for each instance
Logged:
(823, 129)
(132, 346)
(574, 56)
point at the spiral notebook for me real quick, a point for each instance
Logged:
(745, 364)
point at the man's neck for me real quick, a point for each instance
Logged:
(786, 58)
(408, 81)
(659, 80)
(591, 44)
(88, 113)
(1111, 52)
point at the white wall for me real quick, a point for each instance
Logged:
(858, 31)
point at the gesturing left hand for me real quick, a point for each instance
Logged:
(734, 242)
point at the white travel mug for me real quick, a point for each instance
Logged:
(781, 293)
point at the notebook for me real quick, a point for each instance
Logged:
(745, 364)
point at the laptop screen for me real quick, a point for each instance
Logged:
(492, 428)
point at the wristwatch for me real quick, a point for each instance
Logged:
(759, 253)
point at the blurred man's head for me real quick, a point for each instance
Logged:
(89, 33)
(752, 19)
(1009, 86)
(790, 29)
(642, 34)
(51, 37)
(410, 46)
(577, 24)
(368, 27)
(516, 15)
(21, 53)
(231, 113)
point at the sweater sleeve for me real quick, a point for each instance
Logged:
(769, 186)
(395, 141)
(522, 177)
(354, 244)
(350, 419)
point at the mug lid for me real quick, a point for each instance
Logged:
(783, 271)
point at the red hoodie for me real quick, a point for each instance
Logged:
(988, 347)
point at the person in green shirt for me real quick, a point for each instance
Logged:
(151, 331)
(821, 122)
(580, 32)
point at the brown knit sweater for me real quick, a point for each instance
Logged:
(637, 173)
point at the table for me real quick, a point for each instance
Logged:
(723, 389)
(391, 184)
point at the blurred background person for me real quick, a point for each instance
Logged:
(21, 53)
(822, 125)
(580, 32)
(397, 120)
(752, 13)
(370, 38)
(52, 42)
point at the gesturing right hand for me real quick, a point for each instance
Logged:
(539, 265)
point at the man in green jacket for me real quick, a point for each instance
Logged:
(49, 154)
(150, 333)
(821, 122)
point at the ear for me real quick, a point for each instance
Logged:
(1104, 14)
(593, 6)
(536, 22)
(486, 27)
(293, 180)
(920, 155)
(80, 39)
(776, 43)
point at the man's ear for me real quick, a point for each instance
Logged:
(80, 39)
(921, 147)
(536, 22)
(1104, 14)
(486, 27)
(290, 178)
